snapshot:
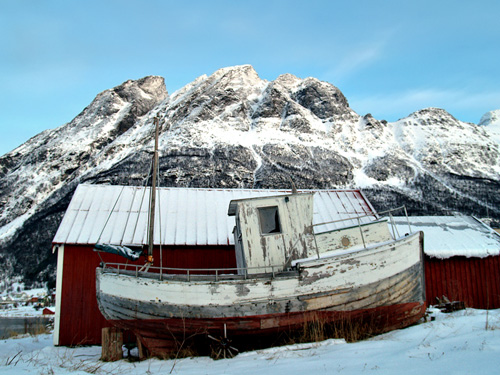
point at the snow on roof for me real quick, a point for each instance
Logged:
(448, 236)
(184, 216)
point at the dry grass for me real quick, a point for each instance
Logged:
(319, 328)
(315, 328)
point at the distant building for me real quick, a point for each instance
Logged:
(33, 300)
(47, 311)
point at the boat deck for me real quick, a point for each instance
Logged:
(178, 274)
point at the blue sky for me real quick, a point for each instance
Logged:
(390, 58)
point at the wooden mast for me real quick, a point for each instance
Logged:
(152, 203)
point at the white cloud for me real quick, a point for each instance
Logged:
(350, 59)
(355, 60)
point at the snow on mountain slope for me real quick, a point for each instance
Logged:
(491, 123)
(234, 129)
(436, 141)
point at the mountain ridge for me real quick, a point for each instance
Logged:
(233, 129)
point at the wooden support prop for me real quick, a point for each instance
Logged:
(112, 341)
(142, 350)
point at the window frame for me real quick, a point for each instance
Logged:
(265, 219)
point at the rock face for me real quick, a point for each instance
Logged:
(233, 129)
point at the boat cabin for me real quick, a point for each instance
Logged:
(272, 231)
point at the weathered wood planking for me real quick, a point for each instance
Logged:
(357, 236)
(293, 241)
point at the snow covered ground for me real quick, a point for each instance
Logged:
(464, 342)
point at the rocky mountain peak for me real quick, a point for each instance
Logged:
(323, 99)
(490, 118)
(147, 88)
(288, 81)
(490, 121)
(235, 76)
(432, 115)
(114, 111)
(439, 142)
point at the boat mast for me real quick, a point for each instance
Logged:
(153, 194)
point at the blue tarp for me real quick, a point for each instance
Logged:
(120, 250)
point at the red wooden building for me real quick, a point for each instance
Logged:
(192, 230)
(462, 259)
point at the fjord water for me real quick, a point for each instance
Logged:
(10, 326)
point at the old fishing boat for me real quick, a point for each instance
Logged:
(289, 272)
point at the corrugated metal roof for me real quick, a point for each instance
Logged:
(184, 216)
(448, 236)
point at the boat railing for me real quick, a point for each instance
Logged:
(190, 274)
(379, 215)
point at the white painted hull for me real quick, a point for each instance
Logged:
(381, 276)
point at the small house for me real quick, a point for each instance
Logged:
(47, 311)
(33, 300)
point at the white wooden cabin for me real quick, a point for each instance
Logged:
(271, 232)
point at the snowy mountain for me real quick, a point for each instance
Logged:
(233, 129)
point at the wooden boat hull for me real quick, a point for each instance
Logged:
(163, 337)
(383, 284)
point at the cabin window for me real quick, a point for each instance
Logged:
(269, 220)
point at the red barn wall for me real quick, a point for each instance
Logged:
(80, 319)
(475, 281)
